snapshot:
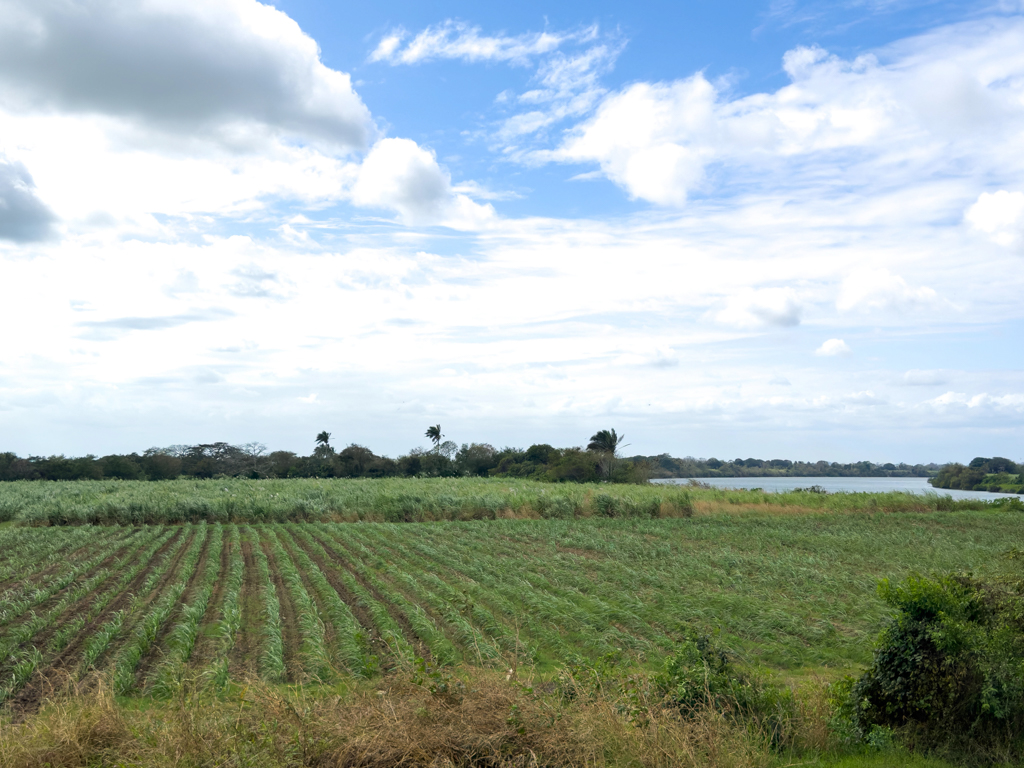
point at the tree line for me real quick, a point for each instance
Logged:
(664, 465)
(597, 462)
(600, 460)
(982, 474)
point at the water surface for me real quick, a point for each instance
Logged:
(836, 484)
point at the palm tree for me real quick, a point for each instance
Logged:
(605, 441)
(434, 433)
(324, 439)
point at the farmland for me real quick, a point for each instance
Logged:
(151, 606)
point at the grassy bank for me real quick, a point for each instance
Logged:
(472, 718)
(113, 502)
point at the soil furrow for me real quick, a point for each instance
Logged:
(377, 644)
(55, 598)
(86, 603)
(399, 617)
(206, 642)
(56, 673)
(403, 589)
(330, 635)
(156, 650)
(70, 557)
(290, 636)
(242, 661)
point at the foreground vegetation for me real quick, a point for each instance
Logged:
(425, 718)
(224, 500)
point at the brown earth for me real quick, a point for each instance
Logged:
(244, 655)
(377, 645)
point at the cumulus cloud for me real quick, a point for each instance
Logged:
(217, 67)
(833, 347)
(768, 306)
(1000, 215)
(921, 103)
(458, 40)
(872, 289)
(24, 217)
(402, 176)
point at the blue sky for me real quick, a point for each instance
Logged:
(772, 229)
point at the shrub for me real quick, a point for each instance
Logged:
(701, 675)
(948, 670)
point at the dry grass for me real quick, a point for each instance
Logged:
(482, 720)
(719, 507)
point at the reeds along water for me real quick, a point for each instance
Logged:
(304, 500)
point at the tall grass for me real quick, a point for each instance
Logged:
(111, 502)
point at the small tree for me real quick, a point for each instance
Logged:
(255, 453)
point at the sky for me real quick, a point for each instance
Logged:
(773, 229)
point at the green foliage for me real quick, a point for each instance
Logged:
(995, 474)
(948, 670)
(701, 674)
(240, 500)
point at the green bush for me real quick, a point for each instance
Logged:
(700, 675)
(948, 670)
(9, 509)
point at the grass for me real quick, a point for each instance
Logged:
(115, 502)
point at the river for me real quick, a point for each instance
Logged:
(836, 484)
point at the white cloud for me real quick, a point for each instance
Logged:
(919, 378)
(23, 217)
(457, 40)
(217, 68)
(225, 102)
(873, 289)
(1000, 215)
(400, 175)
(768, 306)
(833, 347)
(866, 397)
(566, 84)
(983, 401)
(911, 109)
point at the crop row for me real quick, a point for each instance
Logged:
(156, 606)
